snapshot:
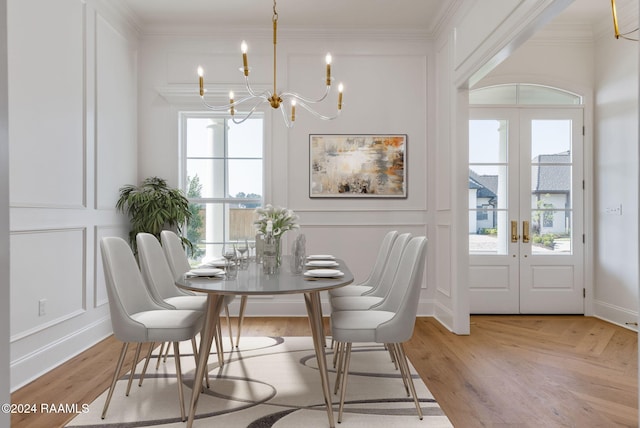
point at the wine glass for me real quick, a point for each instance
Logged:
(228, 252)
(252, 246)
(242, 248)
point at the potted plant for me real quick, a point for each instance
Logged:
(153, 207)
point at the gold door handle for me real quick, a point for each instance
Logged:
(514, 231)
(525, 231)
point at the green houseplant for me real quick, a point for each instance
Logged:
(153, 207)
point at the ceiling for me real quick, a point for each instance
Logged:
(412, 15)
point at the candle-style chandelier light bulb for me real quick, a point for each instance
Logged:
(275, 99)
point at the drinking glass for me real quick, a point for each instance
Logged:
(242, 248)
(229, 253)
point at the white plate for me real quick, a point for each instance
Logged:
(206, 272)
(321, 257)
(324, 273)
(214, 263)
(322, 263)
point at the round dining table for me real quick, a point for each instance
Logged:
(253, 282)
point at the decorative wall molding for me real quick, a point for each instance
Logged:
(41, 360)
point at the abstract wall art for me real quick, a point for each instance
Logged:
(357, 166)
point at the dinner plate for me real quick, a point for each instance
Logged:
(321, 257)
(206, 272)
(214, 263)
(324, 273)
(322, 263)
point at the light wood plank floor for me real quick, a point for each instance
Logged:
(512, 371)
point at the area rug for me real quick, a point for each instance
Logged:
(269, 382)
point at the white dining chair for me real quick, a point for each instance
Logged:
(179, 265)
(386, 282)
(161, 284)
(136, 317)
(373, 280)
(391, 323)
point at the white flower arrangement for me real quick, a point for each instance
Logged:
(281, 218)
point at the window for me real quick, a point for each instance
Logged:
(482, 214)
(222, 178)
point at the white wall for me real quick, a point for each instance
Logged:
(72, 141)
(386, 91)
(616, 175)
(5, 418)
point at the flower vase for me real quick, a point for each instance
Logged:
(278, 251)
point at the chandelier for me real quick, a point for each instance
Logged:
(615, 25)
(275, 99)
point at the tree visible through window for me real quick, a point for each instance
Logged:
(222, 168)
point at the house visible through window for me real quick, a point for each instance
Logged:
(222, 177)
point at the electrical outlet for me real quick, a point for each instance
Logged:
(41, 307)
(617, 210)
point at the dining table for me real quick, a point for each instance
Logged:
(254, 282)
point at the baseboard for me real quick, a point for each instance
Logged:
(615, 315)
(50, 356)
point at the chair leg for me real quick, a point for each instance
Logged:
(395, 355)
(345, 374)
(146, 362)
(404, 362)
(176, 354)
(392, 354)
(336, 350)
(219, 345)
(339, 351)
(133, 367)
(166, 352)
(160, 355)
(226, 311)
(243, 305)
(123, 352)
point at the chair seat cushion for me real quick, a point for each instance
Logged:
(357, 326)
(194, 303)
(169, 325)
(354, 303)
(350, 290)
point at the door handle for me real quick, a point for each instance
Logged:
(514, 231)
(525, 231)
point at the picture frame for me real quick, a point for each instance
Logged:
(357, 165)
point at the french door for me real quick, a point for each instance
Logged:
(526, 210)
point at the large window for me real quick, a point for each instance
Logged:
(222, 178)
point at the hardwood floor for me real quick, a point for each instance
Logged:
(511, 371)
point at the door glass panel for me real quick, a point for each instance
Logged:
(488, 232)
(551, 198)
(549, 137)
(488, 186)
(488, 141)
(550, 232)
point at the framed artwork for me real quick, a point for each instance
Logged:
(357, 166)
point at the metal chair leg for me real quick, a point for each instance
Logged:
(345, 375)
(226, 310)
(133, 367)
(243, 305)
(116, 373)
(160, 355)
(405, 363)
(146, 362)
(176, 354)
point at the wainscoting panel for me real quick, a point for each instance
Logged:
(47, 278)
(116, 136)
(46, 131)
